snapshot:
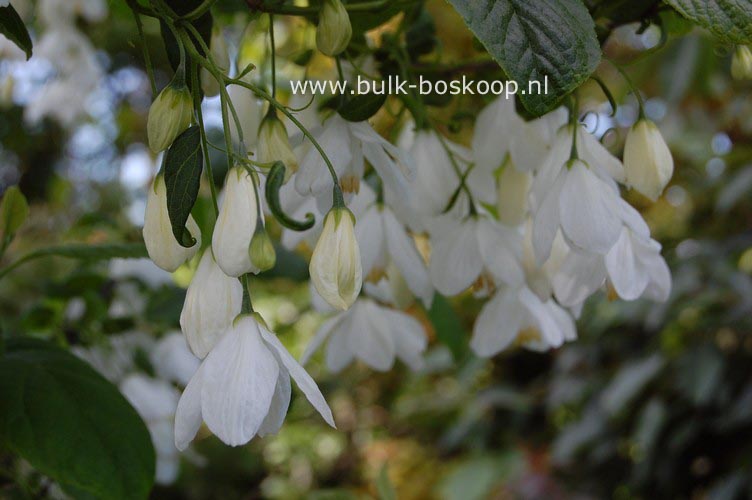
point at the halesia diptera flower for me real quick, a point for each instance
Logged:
(169, 115)
(236, 224)
(161, 244)
(335, 267)
(741, 63)
(242, 388)
(647, 160)
(274, 145)
(334, 30)
(212, 301)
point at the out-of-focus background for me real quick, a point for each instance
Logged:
(652, 401)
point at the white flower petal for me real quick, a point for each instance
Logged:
(405, 256)
(456, 261)
(188, 413)
(498, 323)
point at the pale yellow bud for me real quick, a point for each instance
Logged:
(262, 251)
(335, 265)
(334, 30)
(274, 145)
(741, 63)
(170, 114)
(512, 195)
(647, 160)
(160, 242)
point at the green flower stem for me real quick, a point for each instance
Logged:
(631, 85)
(145, 50)
(196, 88)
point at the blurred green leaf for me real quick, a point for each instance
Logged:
(12, 26)
(14, 209)
(384, 486)
(72, 424)
(448, 327)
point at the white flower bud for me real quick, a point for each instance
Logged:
(263, 256)
(741, 63)
(335, 265)
(161, 244)
(274, 145)
(212, 301)
(647, 160)
(169, 115)
(334, 30)
(221, 57)
(231, 241)
(514, 186)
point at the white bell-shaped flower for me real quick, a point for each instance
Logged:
(474, 250)
(274, 145)
(372, 333)
(348, 145)
(335, 267)
(212, 301)
(518, 316)
(161, 244)
(647, 160)
(169, 115)
(242, 388)
(236, 223)
(635, 268)
(383, 240)
(334, 30)
(741, 63)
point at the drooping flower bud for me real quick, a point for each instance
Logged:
(212, 301)
(263, 256)
(334, 30)
(221, 57)
(741, 63)
(335, 265)
(169, 115)
(647, 160)
(274, 144)
(161, 244)
(236, 223)
(514, 186)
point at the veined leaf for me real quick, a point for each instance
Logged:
(71, 424)
(729, 20)
(14, 29)
(182, 174)
(551, 41)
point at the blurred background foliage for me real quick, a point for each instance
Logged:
(652, 401)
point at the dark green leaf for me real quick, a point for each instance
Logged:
(448, 327)
(14, 29)
(182, 174)
(13, 212)
(729, 20)
(72, 424)
(361, 107)
(535, 41)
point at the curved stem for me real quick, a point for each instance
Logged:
(631, 86)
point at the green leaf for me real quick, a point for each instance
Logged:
(83, 252)
(182, 174)
(536, 40)
(13, 213)
(203, 25)
(71, 424)
(361, 107)
(14, 29)
(729, 20)
(448, 326)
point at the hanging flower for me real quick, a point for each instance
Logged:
(647, 160)
(212, 301)
(242, 388)
(334, 30)
(161, 244)
(374, 334)
(473, 251)
(169, 115)
(274, 144)
(518, 316)
(741, 63)
(236, 224)
(335, 267)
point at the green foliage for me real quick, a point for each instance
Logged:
(182, 172)
(534, 40)
(729, 20)
(72, 424)
(448, 327)
(361, 107)
(14, 210)
(14, 29)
